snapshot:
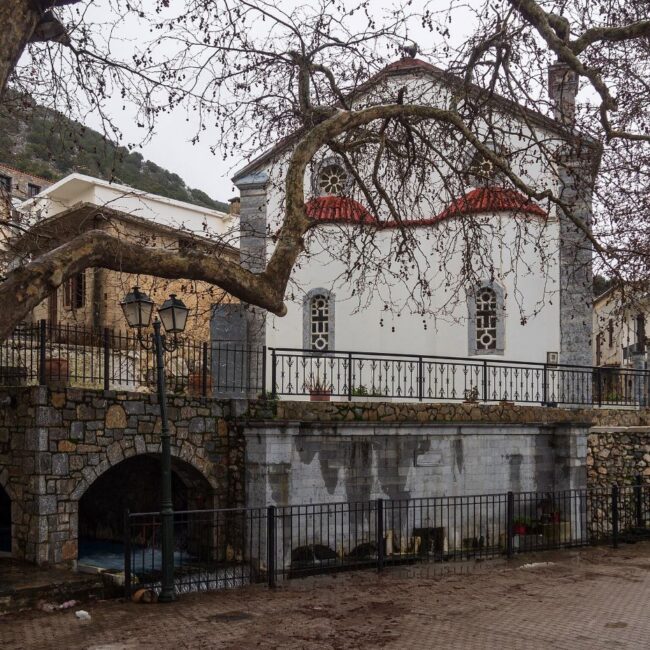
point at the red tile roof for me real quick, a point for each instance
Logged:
(338, 209)
(492, 199)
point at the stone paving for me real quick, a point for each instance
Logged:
(588, 599)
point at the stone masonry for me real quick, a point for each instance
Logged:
(53, 445)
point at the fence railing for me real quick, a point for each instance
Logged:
(71, 355)
(352, 375)
(217, 549)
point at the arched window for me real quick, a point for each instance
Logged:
(486, 320)
(318, 321)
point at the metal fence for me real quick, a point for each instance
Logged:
(71, 355)
(422, 377)
(104, 359)
(218, 549)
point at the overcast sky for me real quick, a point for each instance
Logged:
(171, 146)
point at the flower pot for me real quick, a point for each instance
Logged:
(319, 395)
(195, 384)
(56, 371)
(519, 529)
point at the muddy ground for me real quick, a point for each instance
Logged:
(592, 598)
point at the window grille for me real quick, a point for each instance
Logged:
(320, 315)
(486, 319)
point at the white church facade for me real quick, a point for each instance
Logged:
(534, 306)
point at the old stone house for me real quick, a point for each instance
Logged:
(91, 298)
(619, 330)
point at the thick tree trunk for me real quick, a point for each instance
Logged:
(18, 20)
(26, 287)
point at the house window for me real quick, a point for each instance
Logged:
(33, 190)
(640, 333)
(318, 321)
(5, 183)
(610, 333)
(486, 320)
(74, 291)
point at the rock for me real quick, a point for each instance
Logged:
(115, 417)
(82, 615)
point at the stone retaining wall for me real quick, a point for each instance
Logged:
(617, 455)
(500, 413)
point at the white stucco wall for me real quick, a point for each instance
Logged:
(362, 323)
(77, 188)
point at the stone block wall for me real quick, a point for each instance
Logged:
(615, 455)
(54, 445)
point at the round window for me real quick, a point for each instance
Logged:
(332, 179)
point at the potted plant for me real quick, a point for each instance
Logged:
(520, 526)
(56, 370)
(195, 383)
(319, 392)
(471, 395)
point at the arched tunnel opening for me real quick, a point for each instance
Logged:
(133, 484)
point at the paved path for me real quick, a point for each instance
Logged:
(592, 599)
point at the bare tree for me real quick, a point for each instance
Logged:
(253, 75)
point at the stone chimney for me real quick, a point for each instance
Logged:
(562, 91)
(235, 204)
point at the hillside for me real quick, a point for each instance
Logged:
(40, 141)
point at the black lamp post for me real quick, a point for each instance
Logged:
(138, 307)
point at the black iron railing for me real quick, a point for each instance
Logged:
(71, 355)
(351, 375)
(106, 359)
(217, 549)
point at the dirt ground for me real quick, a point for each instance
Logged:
(592, 598)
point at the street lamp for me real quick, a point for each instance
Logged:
(137, 308)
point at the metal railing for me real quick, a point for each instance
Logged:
(218, 549)
(70, 355)
(105, 359)
(349, 375)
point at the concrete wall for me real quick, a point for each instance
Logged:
(290, 463)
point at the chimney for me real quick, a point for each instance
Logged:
(234, 205)
(562, 91)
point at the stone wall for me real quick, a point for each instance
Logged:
(616, 454)
(54, 445)
(359, 410)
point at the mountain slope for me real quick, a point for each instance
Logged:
(43, 142)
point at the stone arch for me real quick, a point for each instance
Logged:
(134, 484)
(116, 453)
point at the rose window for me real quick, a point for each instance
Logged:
(332, 179)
